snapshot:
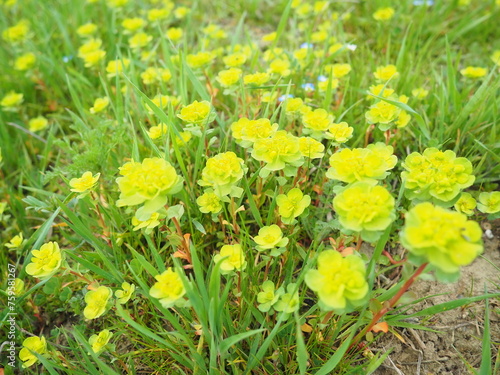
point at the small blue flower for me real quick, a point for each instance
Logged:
(282, 98)
(423, 2)
(308, 86)
(322, 78)
(66, 59)
(307, 45)
(351, 47)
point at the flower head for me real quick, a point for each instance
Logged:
(97, 301)
(289, 302)
(339, 282)
(256, 79)
(235, 258)
(25, 62)
(37, 123)
(229, 77)
(489, 203)
(116, 67)
(125, 293)
(311, 148)
(339, 133)
(46, 261)
(11, 101)
(149, 224)
(385, 73)
(32, 345)
(157, 131)
(16, 241)
(84, 183)
(196, 112)
(362, 164)
(169, 288)
(222, 172)
(269, 238)
(209, 202)
(365, 208)
(17, 33)
(149, 182)
(292, 205)
(474, 72)
(269, 296)
(278, 150)
(98, 342)
(383, 14)
(246, 131)
(100, 104)
(444, 238)
(436, 175)
(419, 93)
(465, 204)
(317, 122)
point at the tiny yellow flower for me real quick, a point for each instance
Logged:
(383, 14)
(175, 34)
(489, 203)
(465, 204)
(116, 67)
(280, 149)
(339, 282)
(339, 133)
(209, 202)
(474, 72)
(317, 122)
(32, 345)
(235, 261)
(196, 112)
(235, 60)
(289, 302)
(420, 93)
(199, 59)
(229, 77)
(181, 12)
(270, 238)
(17, 33)
(97, 301)
(311, 148)
(184, 138)
(18, 287)
(46, 261)
(256, 79)
(16, 241)
(269, 37)
(89, 46)
(379, 90)
(148, 224)
(87, 29)
(384, 73)
(280, 66)
(11, 101)
(25, 62)
(116, 3)
(292, 205)
(100, 104)
(133, 24)
(168, 288)
(222, 172)
(269, 296)
(84, 183)
(37, 123)
(93, 58)
(157, 131)
(139, 40)
(158, 14)
(246, 131)
(98, 342)
(125, 293)
(338, 70)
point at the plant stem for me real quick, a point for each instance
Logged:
(391, 304)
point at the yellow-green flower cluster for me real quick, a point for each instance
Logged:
(278, 151)
(444, 238)
(209, 202)
(292, 205)
(311, 148)
(386, 114)
(97, 301)
(489, 203)
(196, 113)
(269, 296)
(436, 175)
(222, 172)
(148, 182)
(99, 342)
(339, 282)
(32, 345)
(339, 133)
(234, 258)
(168, 288)
(317, 122)
(365, 208)
(474, 72)
(84, 183)
(247, 132)
(125, 293)
(46, 261)
(271, 238)
(465, 204)
(149, 224)
(362, 164)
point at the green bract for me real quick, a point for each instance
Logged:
(444, 238)
(339, 282)
(365, 208)
(436, 176)
(292, 205)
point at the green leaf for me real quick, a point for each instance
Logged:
(230, 341)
